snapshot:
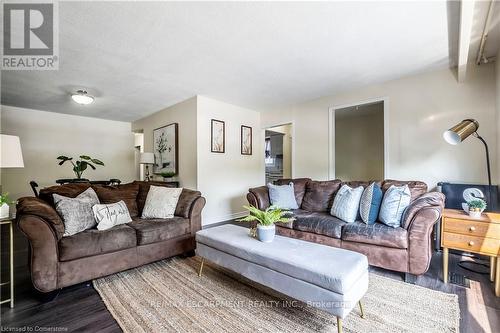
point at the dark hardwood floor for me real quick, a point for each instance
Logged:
(80, 308)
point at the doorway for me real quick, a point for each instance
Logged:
(278, 152)
(359, 142)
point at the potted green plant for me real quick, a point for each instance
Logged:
(266, 220)
(476, 207)
(80, 166)
(4, 205)
(168, 176)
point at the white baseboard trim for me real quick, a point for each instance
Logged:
(224, 218)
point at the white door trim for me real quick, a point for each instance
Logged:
(293, 141)
(331, 134)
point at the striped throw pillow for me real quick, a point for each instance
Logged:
(346, 203)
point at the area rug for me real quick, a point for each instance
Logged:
(168, 296)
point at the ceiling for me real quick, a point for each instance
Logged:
(139, 57)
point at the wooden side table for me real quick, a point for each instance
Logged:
(482, 236)
(10, 223)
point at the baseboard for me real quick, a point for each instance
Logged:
(223, 219)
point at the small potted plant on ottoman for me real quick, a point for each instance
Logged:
(266, 220)
(476, 207)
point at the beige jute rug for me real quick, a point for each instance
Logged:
(168, 296)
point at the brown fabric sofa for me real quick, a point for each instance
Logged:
(58, 261)
(405, 249)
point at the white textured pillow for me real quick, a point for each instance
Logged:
(76, 212)
(107, 216)
(346, 203)
(161, 202)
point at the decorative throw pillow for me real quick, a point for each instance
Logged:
(161, 202)
(107, 216)
(76, 212)
(346, 203)
(369, 206)
(282, 196)
(396, 200)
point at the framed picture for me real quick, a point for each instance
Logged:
(218, 130)
(246, 140)
(166, 149)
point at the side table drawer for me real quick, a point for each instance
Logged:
(473, 228)
(487, 246)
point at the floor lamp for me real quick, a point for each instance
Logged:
(454, 136)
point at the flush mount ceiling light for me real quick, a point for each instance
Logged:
(81, 97)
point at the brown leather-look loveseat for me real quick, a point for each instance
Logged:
(58, 261)
(404, 249)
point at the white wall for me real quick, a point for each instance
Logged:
(183, 113)
(420, 108)
(224, 179)
(46, 135)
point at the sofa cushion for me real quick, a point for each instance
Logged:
(77, 212)
(394, 203)
(126, 192)
(417, 188)
(318, 223)
(161, 202)
(377, 234)
(157, 230)
(66, 190)
(319, 195)
(299, 186)
(94, 242)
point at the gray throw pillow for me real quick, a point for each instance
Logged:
(396, 200)
(346, 203)
(282, 196)
(161, 202)
(76, 213)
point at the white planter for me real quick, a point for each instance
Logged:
(4, 211)
(265, 233)
(475, 215)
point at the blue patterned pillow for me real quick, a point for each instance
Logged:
(369, 206)
(396, 200)
(282, 196)
(346, 203)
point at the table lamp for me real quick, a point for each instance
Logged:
(11, 156)
(147, 159)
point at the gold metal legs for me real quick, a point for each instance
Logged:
(201, 266)
(493, 264)
(445, 265)
(361, 309)
(497, 277)
(339, 324)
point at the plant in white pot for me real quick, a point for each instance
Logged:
(4, 205)
(476, 207)
(266, 220)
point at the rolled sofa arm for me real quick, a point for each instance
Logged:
(195, 214)
(419, 220)
(38, 207)
(44, 256)
(258, 197)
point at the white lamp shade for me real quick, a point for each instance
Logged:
(11, 155)
(147, 158)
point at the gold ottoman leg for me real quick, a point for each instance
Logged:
(361, 309)
(339, 324)
(201, 266)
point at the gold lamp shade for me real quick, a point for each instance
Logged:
(460, 131)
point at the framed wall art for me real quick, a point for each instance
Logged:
(218, 136)
(246, 140)
(165, 149)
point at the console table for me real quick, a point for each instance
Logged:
(10, 222)
(461, 232)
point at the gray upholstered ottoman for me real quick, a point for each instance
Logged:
(329, 278)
